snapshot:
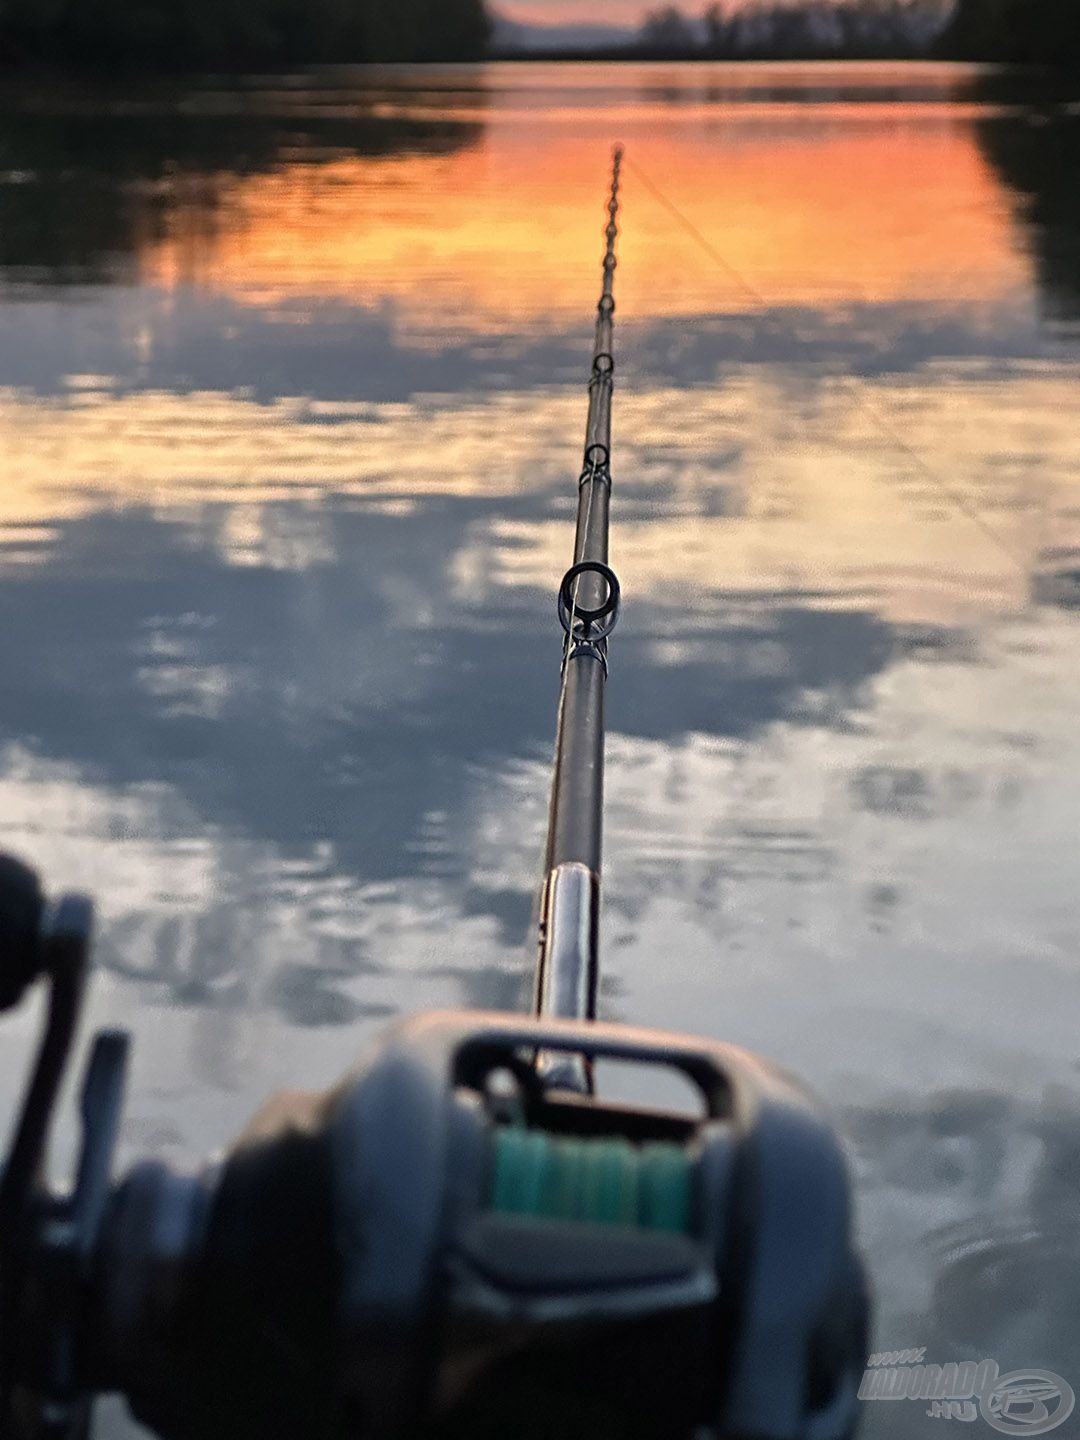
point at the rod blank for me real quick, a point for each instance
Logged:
(567, 974)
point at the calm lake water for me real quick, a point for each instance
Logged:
(291, 407)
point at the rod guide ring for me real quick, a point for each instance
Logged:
(596, 623)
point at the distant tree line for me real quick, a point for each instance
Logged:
(1008, 31)
(1026, 32)
(227, 34)
(797, 29)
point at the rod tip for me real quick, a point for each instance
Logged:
(617, 152)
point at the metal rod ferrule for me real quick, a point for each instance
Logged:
(566, 977)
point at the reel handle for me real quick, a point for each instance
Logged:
(21, 906)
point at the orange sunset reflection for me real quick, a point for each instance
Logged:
(499, 235)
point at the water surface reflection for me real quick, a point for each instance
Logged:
(290, 398)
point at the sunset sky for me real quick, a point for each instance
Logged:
(594, 12)
(579, 12)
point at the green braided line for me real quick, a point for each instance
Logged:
(605, 1181)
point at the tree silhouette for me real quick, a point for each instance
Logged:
(226, 34)
(716, 19)
(667, 31)
(1020, 31)
(798, 29)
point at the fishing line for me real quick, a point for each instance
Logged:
(878, 417)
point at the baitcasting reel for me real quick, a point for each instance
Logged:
(440, 1246)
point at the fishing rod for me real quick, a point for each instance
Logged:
(567, 971)
(461, 1238)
